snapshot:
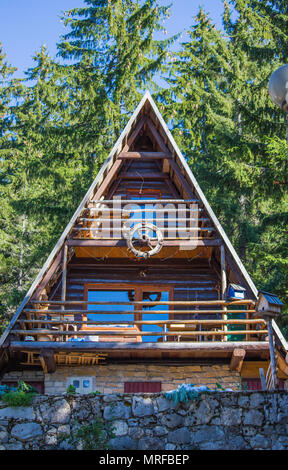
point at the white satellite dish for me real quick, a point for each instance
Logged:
(278, 87)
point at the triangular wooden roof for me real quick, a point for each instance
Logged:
(110, 167)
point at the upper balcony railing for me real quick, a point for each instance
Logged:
(140, 220)
(73, 321)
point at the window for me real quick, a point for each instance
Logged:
(142, 387)
(109, 312)
(114, 315)
(82, 385)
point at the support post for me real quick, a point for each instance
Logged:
(223, 287)
(272, 354)
(263, 380)
(64, 278)
(47, 361)
(237, 359)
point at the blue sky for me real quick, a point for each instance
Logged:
(25, 25)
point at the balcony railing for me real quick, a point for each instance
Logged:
(178, 219)
(71, 321)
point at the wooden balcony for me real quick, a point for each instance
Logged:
(187, 321)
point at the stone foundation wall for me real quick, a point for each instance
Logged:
(25, 375)
(215, 420)
(110, 378)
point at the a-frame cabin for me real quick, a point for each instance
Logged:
(143, 290)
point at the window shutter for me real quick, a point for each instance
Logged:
(255, 384)
(142, 387)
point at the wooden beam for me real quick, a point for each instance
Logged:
(263, 379)
(282, 364)
(184, 183)
(160, 302)
(146, 155)
(118, 163)
(64, 273)
(238, 273)
(132, 175)
(272, 354)
(119, 263)
(157, 136)
(100, 243)
(47, 360)
(136, 131)
(108, 178)
(147, 201)
(223, 285)
(71, 312)
(125, 332)
(237, 360)
(171, 185)
(47, 276)
(253, 346)
(64, 277)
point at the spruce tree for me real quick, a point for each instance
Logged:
(260, 32)
(114, 59)
(233, 135)
(61, 122)
(6, 168)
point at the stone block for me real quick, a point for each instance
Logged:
(148, 443)
(231, 416)
(142, 406)
(160, 431)
(208, 434)
(123, 443)
(56, 411)
(14, 446)
(51, 438)
(136, 432)
(172, 420)
(260, 442)
(203, 413)
(18, 413)
(236, 442)
(120, 428)
(3, 435)
(117, 411)
(26, 431)
(179, 436)
(170, 446)
(257, 400)
(253, 418)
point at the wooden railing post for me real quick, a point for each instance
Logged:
(223, 287)
(64, 282)
(272, 354)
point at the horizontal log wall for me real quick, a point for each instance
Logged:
(193, 282)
